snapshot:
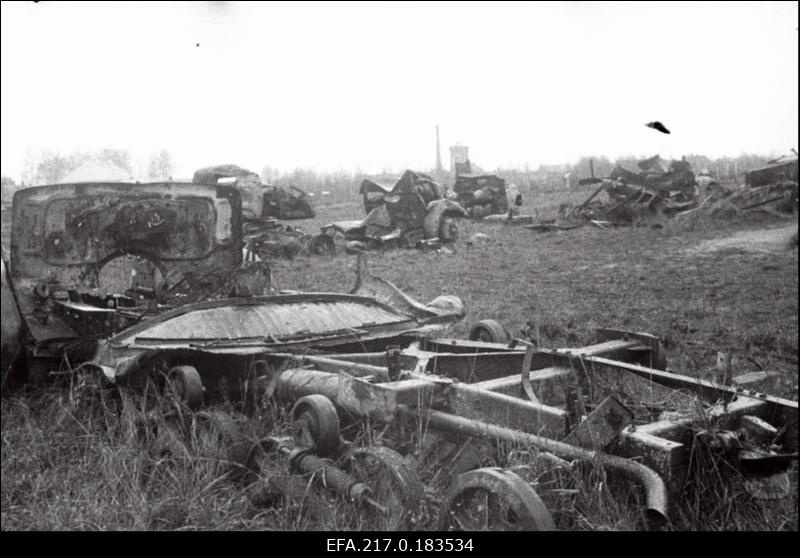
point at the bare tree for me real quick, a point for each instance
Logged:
(160, 165)
(117, 157)
(51, 169)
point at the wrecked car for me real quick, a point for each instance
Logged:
(261, 205)
(90, 259)
(410, 183)
(259, 201)
(412, 213)
(101, 269)
(481, 195)
(493, 426)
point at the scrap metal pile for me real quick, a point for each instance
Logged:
(659, 188)
(413, 213)
(771, 189)
(483, 433)
(672, 190)
(270, 239)
(780, 198)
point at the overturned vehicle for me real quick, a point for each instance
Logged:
(411, 214)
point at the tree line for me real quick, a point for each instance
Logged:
(50, 168)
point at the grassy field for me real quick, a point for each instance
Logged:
(697, 291)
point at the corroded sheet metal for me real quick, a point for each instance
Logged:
(272, 319)
(410, 184)
(64, 234)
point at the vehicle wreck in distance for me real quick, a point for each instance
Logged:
(412, 213)
(499, 418)
(262, 206)
(481, 194)
(259, 201)
(659, 188)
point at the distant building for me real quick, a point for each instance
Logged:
(458, 154)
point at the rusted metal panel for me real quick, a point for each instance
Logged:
(64, 235)
(410, 211)
(411, 184)
(273, 318)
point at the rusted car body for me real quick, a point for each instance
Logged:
(481, 195)
(65, 238)
(412, 211)
(259, 201)
(222, 339)
(88, 259)
(369, 356)
(410, 184)
(280, 203)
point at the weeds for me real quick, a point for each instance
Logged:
(78, 470)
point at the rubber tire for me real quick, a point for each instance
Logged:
(322, 245)
(323, 422)
(189, 387)
(448, 230)
(491, 329)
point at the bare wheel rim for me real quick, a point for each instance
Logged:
(493, 500)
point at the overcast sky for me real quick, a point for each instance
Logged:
(362, 85)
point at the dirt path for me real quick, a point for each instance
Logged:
(776, 239)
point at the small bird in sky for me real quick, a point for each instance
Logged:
(658, 126)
